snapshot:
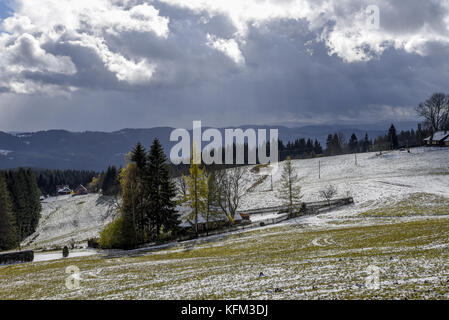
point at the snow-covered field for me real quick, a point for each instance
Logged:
(68, 220)
(398, 224)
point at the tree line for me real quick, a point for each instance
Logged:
(20, 207)
(48, 180)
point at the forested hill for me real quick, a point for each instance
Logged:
(58, 149)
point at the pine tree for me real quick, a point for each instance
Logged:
(8, 231)
(33, 200)
(393, 138)
(353, 144)
(141, 194)
(366, 143)
(139, 156)
(162, 191)
(290, 191)
(110, 184)
(17, 187)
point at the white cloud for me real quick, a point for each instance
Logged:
(229, 47)
(341, 25)
(129, 70)
(37, 25)
(31, 37)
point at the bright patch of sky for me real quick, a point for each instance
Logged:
(5, 10)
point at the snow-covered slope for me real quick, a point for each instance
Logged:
(69, 219)
(374, 182)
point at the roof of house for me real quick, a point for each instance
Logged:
(439, 136)
(65, 189)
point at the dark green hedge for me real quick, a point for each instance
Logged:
(16, 257)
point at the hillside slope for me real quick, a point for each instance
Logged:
(419, 179)
(66, 220)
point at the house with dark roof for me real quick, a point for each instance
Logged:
(439, 138)
(63, 190)
(81, 190)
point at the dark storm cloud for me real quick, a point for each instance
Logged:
(211, 64)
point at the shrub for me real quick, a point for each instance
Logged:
(65, 252)
(119, 234)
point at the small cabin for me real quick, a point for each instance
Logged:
(439, 138)
(81, 190)
(63, 190)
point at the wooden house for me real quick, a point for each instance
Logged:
(439, 138)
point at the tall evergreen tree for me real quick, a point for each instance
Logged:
(8, 231)
(353, 144)
(393, 137)
(110, 185)
(139, 156)
(162, 191)
(290, 191)
(366, 145)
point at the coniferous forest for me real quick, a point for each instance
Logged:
(20, 207)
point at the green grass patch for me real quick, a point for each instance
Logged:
(418, 204)
(304, 263)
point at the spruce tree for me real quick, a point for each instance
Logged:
(353, 144)
(393, 138)
(162, 191)
(8, 232)
(17, 187)
(33, 200)
(139, 156)
(290, 191)
(141, 194)
(366, 143)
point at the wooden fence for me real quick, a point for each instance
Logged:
(307, 207)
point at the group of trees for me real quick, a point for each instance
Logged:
(300, 148)
(20, 207)
(148, 200)
(211, 193)
(336, 144)
(405, 139)
(106, 182)
(47, 180)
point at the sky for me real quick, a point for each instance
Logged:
(111, 64)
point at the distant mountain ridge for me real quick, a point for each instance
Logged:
(60, 149)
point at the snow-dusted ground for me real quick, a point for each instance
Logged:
(318, 257)
(56, 255)
(66, 220)
(375, 181)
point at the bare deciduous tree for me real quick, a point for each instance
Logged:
(435, 111)
(328, 193)
(230, 190)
